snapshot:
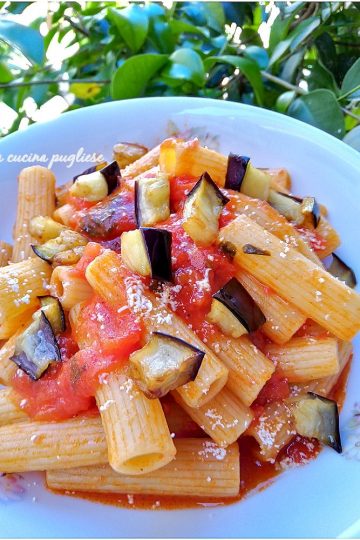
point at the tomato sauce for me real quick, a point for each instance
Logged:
(107, 219)
(67, 388)
(316, 241)
(108, 337)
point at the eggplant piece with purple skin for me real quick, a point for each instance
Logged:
(317, 416)
(242, 176)
(51, 306)
(305, 212)
(339, 269)
(165, 363)
(36, 348)
(108, 218)
(90, 170)
(240, 305)
(96, 185)
(43, 228)
(202, 209)
(126, 153)
(147, 251)
(152, 200)
(66, 248)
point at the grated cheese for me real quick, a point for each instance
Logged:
(212, 449)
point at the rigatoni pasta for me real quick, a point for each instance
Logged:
(305, 359)
(282, 319)
(20, 286)
(5, 253)
(36, 197)
(212, 375)
(199, 462)
(249, 369)
(41, 446)
(322, 297)
(69, 288)
(136, 431)
(10, 413)
(224, 418)
(137, 356)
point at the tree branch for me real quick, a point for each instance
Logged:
(349, 92)
(301, 91)
(52, 81)
(346, 43)
(283, 83)
(76, 26)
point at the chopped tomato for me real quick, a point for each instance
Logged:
(91, 251)
(198, 273)
(317, 242)
(68, 387)
(179, 188)
(227, 216)
(300, 450)
(106, 330)
(276, 388)
(108, 218)
(79, 204)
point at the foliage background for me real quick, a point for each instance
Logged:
(298, 58)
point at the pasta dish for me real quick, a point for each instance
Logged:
(168, 318)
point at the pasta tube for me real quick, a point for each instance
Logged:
(331, 237)
(280, 179)
(178, 158)
(104, 273)
(36, 196)
(266, 216)
(9, 412)
(38, 446)
(149, 160)
(20, 286)
(306, 358)
(137, 434)
(69, 288)
(64, 213)
(282, 319)
(324, 385)
(249, 369)
(200, 469)
(272, 430)
(224, 418)
(314, 291)
(5, 253)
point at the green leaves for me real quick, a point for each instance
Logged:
(133, 75)
(351, 83)
(149, 49)
(214, 14)
(296, 38)
(258, 54)
(132, 24)
(23, 38)
(247, 67)
(320, 109)
(185, 65)
(5, 73)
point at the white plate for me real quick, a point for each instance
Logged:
(320, 499)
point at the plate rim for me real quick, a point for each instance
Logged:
(328, 142)
(287, 121)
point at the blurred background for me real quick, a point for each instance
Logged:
(297, 58)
